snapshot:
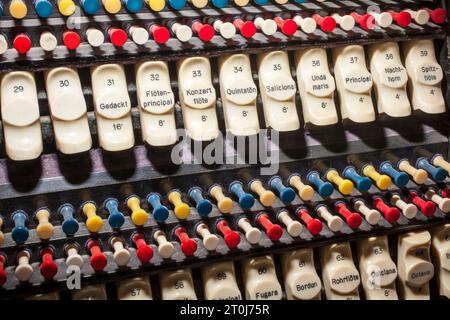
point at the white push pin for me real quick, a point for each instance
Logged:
(73, 258)
(139, 35)
(3, 44)
(293, 227)
(420, 16)
(372, 216)
(47, 41)
(210, 241)
(443, 203)
(165, 248)
(346, 22)
(334, 223)
(121, 255)
(307, 25)
(95, 37)
(24, 270)
(226, 29)
(408, 209)
(267, 26)
(182, 32)
(252, 234)
(383, 19)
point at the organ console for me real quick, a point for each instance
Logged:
(224, 150)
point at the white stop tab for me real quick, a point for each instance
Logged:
(425, 76)
(197, 98)
(177, 285)
(390, 79)
(137, 288)
(112, 107)
(316, 86)
(441, 257)
(354, 84)
(219, 281)
(20, 115)
(156, 103)
(277, 91)
(260, 279)
(239, 93)
(68, 110)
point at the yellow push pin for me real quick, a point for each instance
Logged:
(138, 215)
(381, 180)
(66, 7)
(112, 6)
(2, 236)
(199, 4)
(224, 204)
(345, 186)
(94, 223)
(305, 192)
(18, 9)
(44, 229)
(181, 209)
(241, 3)
(266, 197)
(156, 5)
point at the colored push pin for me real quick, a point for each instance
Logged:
(226, 29)
(231, 237)
(165, 248)
(391, 214)
(252, 234)
(90, 6)
(18, 9)
(48, 267)
(428, 208)
(286, 194)
(94, 222)
(401, 179)
(73, 258)
(144, 252)
(71, 39)
(20, 231)
(273, 230)
(219, 3)
(188, 245)
(334, 223)
(22, 43)
(305, 192)
(224, 204)
(1, 9)
(210, 241)
(112, 6)
(382, 181)
(353, 219)
(408, 209)
(346, 22)
(325, 189)
(372, 216)
(181, 31)
(445, 192)
(199, 4)
(439, 161)
(156, 5)
(437, 174)
(345, 186)
(181, 209)
(287, 26)
(421, 16)
(43, 8)
(261, 2)
(133, 6)
(117, 36)
(366, 21)
(246, 200)
(266, 197)
(160, 34)
(138, 215)
(70, 224)
(116, 218)
(160, 212)
(139, 35)
(402, 18)
(177, 4)
(443, 203)
(307, 25)
(267, 26)
(204, 31)
(203, 206)
(2, 236)
(293, 227)
(121, 255)
(419, 176)
(438, 15)
(246, 28)
(44, 229)
(24, 271)
(98, 259)
(3, 274)
(313, 225)
(363, 184)
(241, 3)
(66, 7)
(327, 24)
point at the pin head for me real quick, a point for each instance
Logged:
(70, 226)
(160, 213)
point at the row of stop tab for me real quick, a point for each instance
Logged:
(421, 256)
(389, 75)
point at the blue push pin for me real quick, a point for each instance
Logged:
(286, 194)
(400, 178)
(133, 5)
(204, 206)
(1, 8)
(299, 1)
(246, 200)
(90, 6)
(437, 174)
(261, 2)
(160, 212)
(362, 183)
(220, 3)
(325, 189)
(70, 224)
(43, 8)
(177, 4)
(20, 231)
(116, 218)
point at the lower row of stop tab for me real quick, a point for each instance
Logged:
(338, 271)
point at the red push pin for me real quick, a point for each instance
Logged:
(287, 26)
(274, 231)
(98, 259)
(144, 251)
(246, 28)
(313, 225)
(48, 267)
(204, 31)
(22, 43)
(117, 36)
(445, 192)
(71, 39)
(438, 15)
(390, 213)
(231, 238)
(403, 18)
(366, 21)
(188, 245)
(353, 219)
(3, 274)
(428, 208)
(160, 34)
(327, 23)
